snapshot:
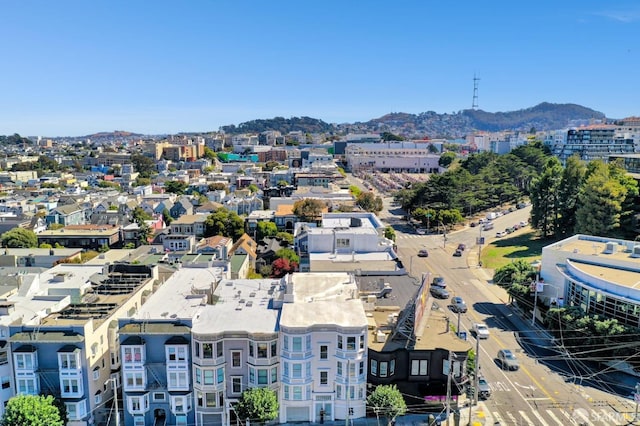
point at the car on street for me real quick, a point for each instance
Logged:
(458, 305)
(421, 231)
(439, 282)
(481, 330)
(462, 247)
(457, 253)
(423, 253)
(523, 223)
(500, 234)
(484, 390)
(473, 224)
(508, 360)
(439, 292)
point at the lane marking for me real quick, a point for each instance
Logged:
(525, 418)
(555, 419)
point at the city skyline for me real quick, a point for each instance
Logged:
(76, 68)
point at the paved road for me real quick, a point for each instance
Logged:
(549, 388)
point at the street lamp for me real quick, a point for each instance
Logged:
(114, 386)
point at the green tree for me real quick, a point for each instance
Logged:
(630, 203)
(446, 159)
(270, 165)
(166, 216)
(355, 190)
(175, 186)
(265, 229)
(308, 209)
(368, 201)
(517, 272)
(545, 204)
(258, 405)
(224, 222)
(217, 186)
(144, 165)
(388, 136)
(570, 184)
(19, 238)
(390, 233)
(32, 410)
(285, 237)
(387, 401)
(600, 202)
(253, 188)
(287, 253)
(140, 181)
(140, 214)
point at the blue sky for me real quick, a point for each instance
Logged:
(73, 68)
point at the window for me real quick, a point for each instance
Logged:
(324, 378)
(133, 354)
(392, 367)
(285, 341)
(324, 351)
(274, 374)
(339, 342)
(419, 367)
(297, 344)
(24, 361)
(134, 379)
(159, 397)
(361, 368)
(4, 357)
(68, 361)
(383, 368)
(342, 242)
(297, 393)
(6, 382)
(176, 353)
(207, 350)
(374, 367)
(208, 377)
(235, 358)
(339, 369)
(179, 404)
(361, 339)
(251, 350)
(138, 420)
(351, 343)
(263, 348)
(274, 348)
(27, 386)
(286, 392)
(220, 375)
(97, 398)
(236, 384)
(178, 379)
(206, 399)
(296, 371)
(263, 376)
(96, 373)
(70, 386)
(138, 404)
(219, 349)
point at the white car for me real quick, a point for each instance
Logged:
(421, 231)
(481, 330)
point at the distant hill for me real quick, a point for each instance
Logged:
(545, 116)
(114, 134)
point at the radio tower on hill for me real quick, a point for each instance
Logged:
(474, 103)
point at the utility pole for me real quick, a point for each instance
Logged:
(476, 376)
(535, 297)
(115, 398)
(448, 412)
(636, 397)
(458, 329)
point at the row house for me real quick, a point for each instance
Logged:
(200, 341)
(243, 206)
(74, 353)
(67, 214)
(192, 224)
(90, 237)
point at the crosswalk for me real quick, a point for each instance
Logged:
(557, 417)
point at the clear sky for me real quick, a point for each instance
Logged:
(72, 68)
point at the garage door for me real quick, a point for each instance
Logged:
(298, 414)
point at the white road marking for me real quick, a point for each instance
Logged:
(553, 416)
(525, 418)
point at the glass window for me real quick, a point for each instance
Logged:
(296, 371)
(361, 340)
(236, 384)
(219, 349)
(339, 342)
(220, 375)
(297, 344)
(324, 351)
(419, 367)
(263, 376)
(392, 367)
(297, 393)
(251, 350)
(339, 368)
(235, 358)
(374, 367)
(274, 374)
(361, 368)
(263, 347)
(324, 377)
(208, 377)
(351, 343)
(383, 369)
(274, 348)
(207, 350)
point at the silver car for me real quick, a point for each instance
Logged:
(508, 360)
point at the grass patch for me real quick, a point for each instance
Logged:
(519, 245)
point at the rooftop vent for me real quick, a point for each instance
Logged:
(636, 251)
(610, 247)
(249, 304)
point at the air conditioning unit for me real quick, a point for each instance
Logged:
(610, 247)
(636, 251)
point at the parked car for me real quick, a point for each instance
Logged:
(508, 360)
(523, 223)
(461, 247)
(484, 390)
(439, 282)
(473, 224)
(500, 234)
(439, 292)
(458, 305)
(457, 253)
(481, 330)
(421, 231)
(423, 253)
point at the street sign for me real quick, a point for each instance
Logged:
(480, 241)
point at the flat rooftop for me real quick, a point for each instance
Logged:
(597, 247)
(181, 296)
(241, 306)
(328, 298)
(621, 277)
(373, 261)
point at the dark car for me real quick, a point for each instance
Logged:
(473, 224)
(423, 253)
(439, 292)
(458, 305)
(457, 253)
(462, 247)
(439, 282)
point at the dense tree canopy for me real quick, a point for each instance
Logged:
(370, 202)
(32, 410)
(265, 229)
(258, 405)
(309, 209)
(446, 159)
(143, 165)
(175, 186)
(19, 238)
(387, 401)
(224, 222)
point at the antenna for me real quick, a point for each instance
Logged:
(474, 103)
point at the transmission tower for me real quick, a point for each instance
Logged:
(474, 103)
